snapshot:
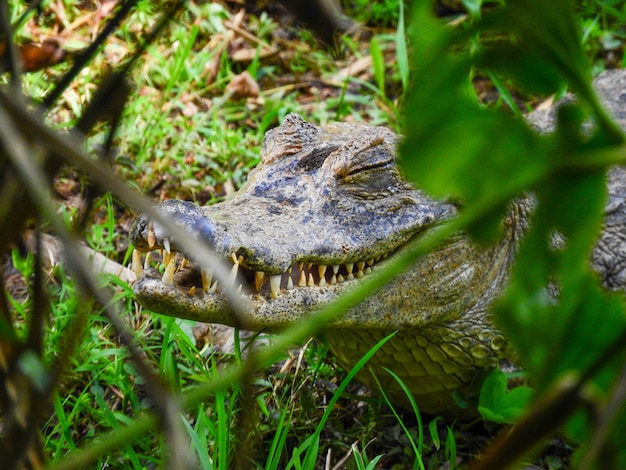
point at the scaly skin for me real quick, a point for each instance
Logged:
(331, 200)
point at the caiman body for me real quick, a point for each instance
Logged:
(325, 207)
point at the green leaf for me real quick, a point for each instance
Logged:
(378, 64)
(434, 433)
(401, 48)
(499, 405)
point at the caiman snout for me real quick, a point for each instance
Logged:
(147, 234)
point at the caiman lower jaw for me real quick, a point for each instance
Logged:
(182, 274)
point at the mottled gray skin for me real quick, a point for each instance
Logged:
(334, 196)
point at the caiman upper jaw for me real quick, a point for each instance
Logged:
(266, 282)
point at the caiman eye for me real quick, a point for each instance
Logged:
(371, 173)
(316, 158)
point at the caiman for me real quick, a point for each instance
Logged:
(325, 207)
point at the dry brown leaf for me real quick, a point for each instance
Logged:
(190, 109)
(248, 54)
(37, 56)
(242, 86)
(355, 68)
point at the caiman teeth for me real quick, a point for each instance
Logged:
(359, 266)
(302, 279)
(322, 273)
(168, 274)
(167, 257)
(151, 236)
(147, 263)
(136, 265)
(299, 275)
(207, 277)
(234, 271)
(259, 277)
(322, 270)
(275, 285)
(232, 275)
(349, 268)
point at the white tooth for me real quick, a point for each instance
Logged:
(213, 288)
(368, 270)
(168, 274)
(333, 280)
(289, 269)
(147, 263)
(349, 268)
(300, 266)
(309, 266)
(289, 283)
(310, 281)
(377, 259)
(370, 262)
(259, 277)
(302, 280)
(184, 263)
(232, 276)
(136, 264)
(322, 282)
(335, 268)
(340, 278)
(167, 257)
(240, 289)
(151, 236)
(192, 291)
(385, 255)
(207, 277)
(360, 265)
(166, 245)
(275, 285)
(233, 257)
(322, 271)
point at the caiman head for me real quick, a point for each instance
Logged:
(323, 207)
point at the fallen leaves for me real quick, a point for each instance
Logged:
(35, 56)
(242, 86)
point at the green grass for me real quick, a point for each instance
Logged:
(178, 131)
